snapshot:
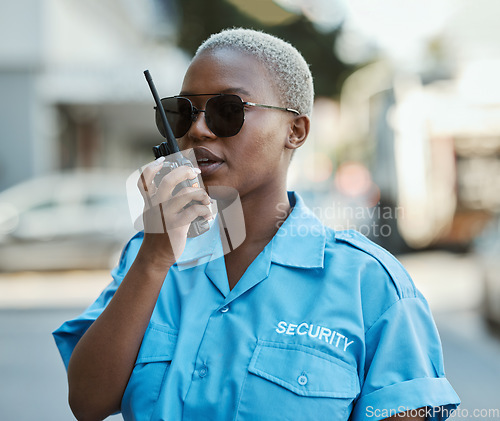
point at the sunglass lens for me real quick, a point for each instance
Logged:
(225, 115)
(178, 112)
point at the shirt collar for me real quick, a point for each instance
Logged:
(300, 241)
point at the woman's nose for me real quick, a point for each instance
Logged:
(199, 128)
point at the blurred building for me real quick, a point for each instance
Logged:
(415, 132)
(72, 90)
(429, 129)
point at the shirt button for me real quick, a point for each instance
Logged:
(202, 372)
(302, 380)
(224, 309)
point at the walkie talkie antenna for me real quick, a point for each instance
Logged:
(173, 147)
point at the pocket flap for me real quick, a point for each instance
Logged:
(304, 371)
(158, 344)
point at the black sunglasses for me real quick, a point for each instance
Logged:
(224, 114)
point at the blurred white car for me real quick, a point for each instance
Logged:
(73, 220)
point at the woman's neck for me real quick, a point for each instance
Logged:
(264, 213)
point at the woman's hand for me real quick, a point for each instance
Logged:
(103, 359)
(166, 216)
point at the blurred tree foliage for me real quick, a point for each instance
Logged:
(198, 19)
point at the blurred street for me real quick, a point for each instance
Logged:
(33, 382)
(404, 147)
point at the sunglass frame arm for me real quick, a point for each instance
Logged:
(253, 104)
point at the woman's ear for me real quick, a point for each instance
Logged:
(299, 129)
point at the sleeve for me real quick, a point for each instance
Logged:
(70, 332)
(404, 366)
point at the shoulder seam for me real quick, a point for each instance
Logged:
(388, 308)
(391, 265)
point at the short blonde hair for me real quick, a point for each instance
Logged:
(293, 77)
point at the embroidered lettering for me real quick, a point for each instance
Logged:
(302, 332)
(281, 327)
(316, 332)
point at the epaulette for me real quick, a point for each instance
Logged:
(400, 277)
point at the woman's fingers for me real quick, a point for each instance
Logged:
(172, 179)
(154, 195)
(145, 182)
(163, 219)
(188, 215)
(186, 196)
(186, 206)
(162, 211)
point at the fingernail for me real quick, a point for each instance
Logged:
(159, 160)
(196, 170)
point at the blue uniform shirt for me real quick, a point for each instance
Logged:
(323, 325)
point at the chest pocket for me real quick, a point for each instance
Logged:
(150, 369)
(295, 382)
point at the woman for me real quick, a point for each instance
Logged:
(297, 323)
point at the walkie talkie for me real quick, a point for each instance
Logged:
(173, 159)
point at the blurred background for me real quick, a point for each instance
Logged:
(405, 148)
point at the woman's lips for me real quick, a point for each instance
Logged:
(208, 167)
(208, 161)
